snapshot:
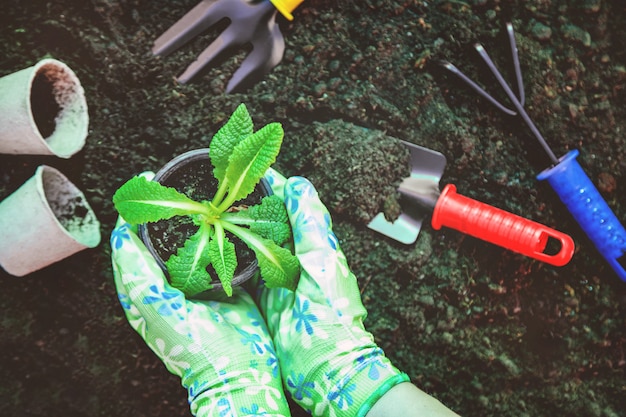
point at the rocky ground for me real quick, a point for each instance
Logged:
(486, 331)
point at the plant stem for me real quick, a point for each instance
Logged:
(219, 195)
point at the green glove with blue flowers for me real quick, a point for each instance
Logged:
(221, 350)
(330, 364)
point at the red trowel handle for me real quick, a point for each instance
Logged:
(499, 227)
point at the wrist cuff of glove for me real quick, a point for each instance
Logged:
(351, 388)
(380, 391)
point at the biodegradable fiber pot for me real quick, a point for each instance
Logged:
(42, 111)
(45, 220)
(192, 174)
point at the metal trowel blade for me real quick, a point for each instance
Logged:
(418, 195)
(404, 229)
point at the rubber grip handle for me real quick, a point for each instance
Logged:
(592, 213)
(499, 227)
(285, 7)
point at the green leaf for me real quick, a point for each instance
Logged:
(238, 127)
(280, 269)
(141, 201)
(223, 258)
(250, 160)
(269, 219)
(187, 268)
(278, 266)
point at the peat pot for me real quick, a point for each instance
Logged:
(43, 111)
(192, 174)
(44, 221)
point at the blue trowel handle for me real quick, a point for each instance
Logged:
(592, 213)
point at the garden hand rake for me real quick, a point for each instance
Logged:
(565, 175)
(250, 23)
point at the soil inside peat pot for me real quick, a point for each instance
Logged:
(45, 107)
(195, 179)
(72, 215)
(70, 208)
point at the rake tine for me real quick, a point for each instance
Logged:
(516, 65)
(204, 15)
(450, 67)
(221, 44)
(265, 55)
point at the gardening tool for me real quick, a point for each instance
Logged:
(565, 175)
(420, 196)
(250, 23)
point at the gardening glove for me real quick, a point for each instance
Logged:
(330, 364)
(221, 350)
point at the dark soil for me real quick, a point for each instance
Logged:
(44, 106)
(487, 331)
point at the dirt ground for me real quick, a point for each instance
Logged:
(487, 331)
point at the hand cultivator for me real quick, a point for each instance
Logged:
(251, 23)
(565, 175)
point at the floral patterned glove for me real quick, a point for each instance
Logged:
(330, 364)
(221, 350)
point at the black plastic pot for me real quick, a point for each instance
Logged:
(191, 173)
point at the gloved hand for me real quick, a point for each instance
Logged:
(330, 364)
(221, 350)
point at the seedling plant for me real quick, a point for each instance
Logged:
(240, 157)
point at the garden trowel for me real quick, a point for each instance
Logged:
(420, 196)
